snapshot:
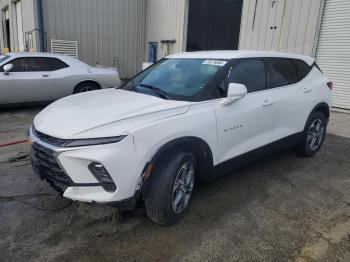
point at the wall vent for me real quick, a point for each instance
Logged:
(65, 47)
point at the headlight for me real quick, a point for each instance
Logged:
(93, 141)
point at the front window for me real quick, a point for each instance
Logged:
(176, 78)
(3, 58)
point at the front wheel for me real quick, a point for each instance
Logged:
(313, 135)
(171, 191)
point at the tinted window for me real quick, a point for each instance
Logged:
(302, 68)
(251, 73)
(30, 64)
(57, 64)
(282, 72)
(36, 64)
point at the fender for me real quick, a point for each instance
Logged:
(196, 145)
(322, 107)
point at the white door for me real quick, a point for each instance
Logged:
(29, 81)
(246, 124)
(292, 104)
(19, 19)
(333, 50)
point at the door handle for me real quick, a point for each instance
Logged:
(44, 75)
(306, 90)
(267, 103)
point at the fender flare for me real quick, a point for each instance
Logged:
(196, 145)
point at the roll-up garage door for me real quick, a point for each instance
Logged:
(333, 50)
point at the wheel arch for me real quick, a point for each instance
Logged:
(322, 108)
(81, 82)
(197, 146)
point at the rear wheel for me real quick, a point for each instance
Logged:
(171, 191)
(86, 87)
(314, 134)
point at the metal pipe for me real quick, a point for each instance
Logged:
(41, 26)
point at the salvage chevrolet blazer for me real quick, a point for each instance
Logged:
(189, 117)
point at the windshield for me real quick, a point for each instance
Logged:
(3, 58)
(175, 78)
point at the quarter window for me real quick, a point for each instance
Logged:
(57, 64)
(249, 72)
(303, 68)
(282, 72)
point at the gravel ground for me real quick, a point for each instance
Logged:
(282, 208)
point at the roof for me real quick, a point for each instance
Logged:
(232, 54)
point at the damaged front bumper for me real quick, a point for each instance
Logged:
(67, 171)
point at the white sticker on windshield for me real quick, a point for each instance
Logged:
(214, 62)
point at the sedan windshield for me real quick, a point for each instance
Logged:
(3, 58)
(175, 78)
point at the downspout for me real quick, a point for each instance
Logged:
(41, 26)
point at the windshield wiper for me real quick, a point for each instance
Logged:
(156, 90)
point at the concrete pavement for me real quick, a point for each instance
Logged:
(339, 124)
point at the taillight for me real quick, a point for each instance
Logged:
(330, 85)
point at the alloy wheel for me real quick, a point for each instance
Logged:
(315, 135)
(183, 187)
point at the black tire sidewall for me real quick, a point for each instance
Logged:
(165, 177)
(77, 90)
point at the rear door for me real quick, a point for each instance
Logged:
(285, 80)
(30, 80)
(246, 124)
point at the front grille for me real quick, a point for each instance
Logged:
(49, 139)
(47, 168)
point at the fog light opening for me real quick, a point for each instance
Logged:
(102, 175)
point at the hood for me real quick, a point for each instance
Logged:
(70, 116)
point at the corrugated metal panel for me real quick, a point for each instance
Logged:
(108, 32)
(65, 47)
(281, 25)
(166, 21)
(333, 50)
(28, 21)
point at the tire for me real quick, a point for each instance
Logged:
(86, 87)
(313, 135)
(166, 188)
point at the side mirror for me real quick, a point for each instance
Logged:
(234, 93)
(7, 68)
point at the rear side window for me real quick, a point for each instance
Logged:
(56, 64)
(302, 68)
(282, 72)
(249, 72)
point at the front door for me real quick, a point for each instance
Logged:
(29, 81)
(246, 124)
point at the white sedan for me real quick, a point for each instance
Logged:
(45, 77)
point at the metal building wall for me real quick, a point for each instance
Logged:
(282, 25)
(109, 32)
(28, 17)
(333, 50)
(166, 20)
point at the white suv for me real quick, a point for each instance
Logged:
(189, 117)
